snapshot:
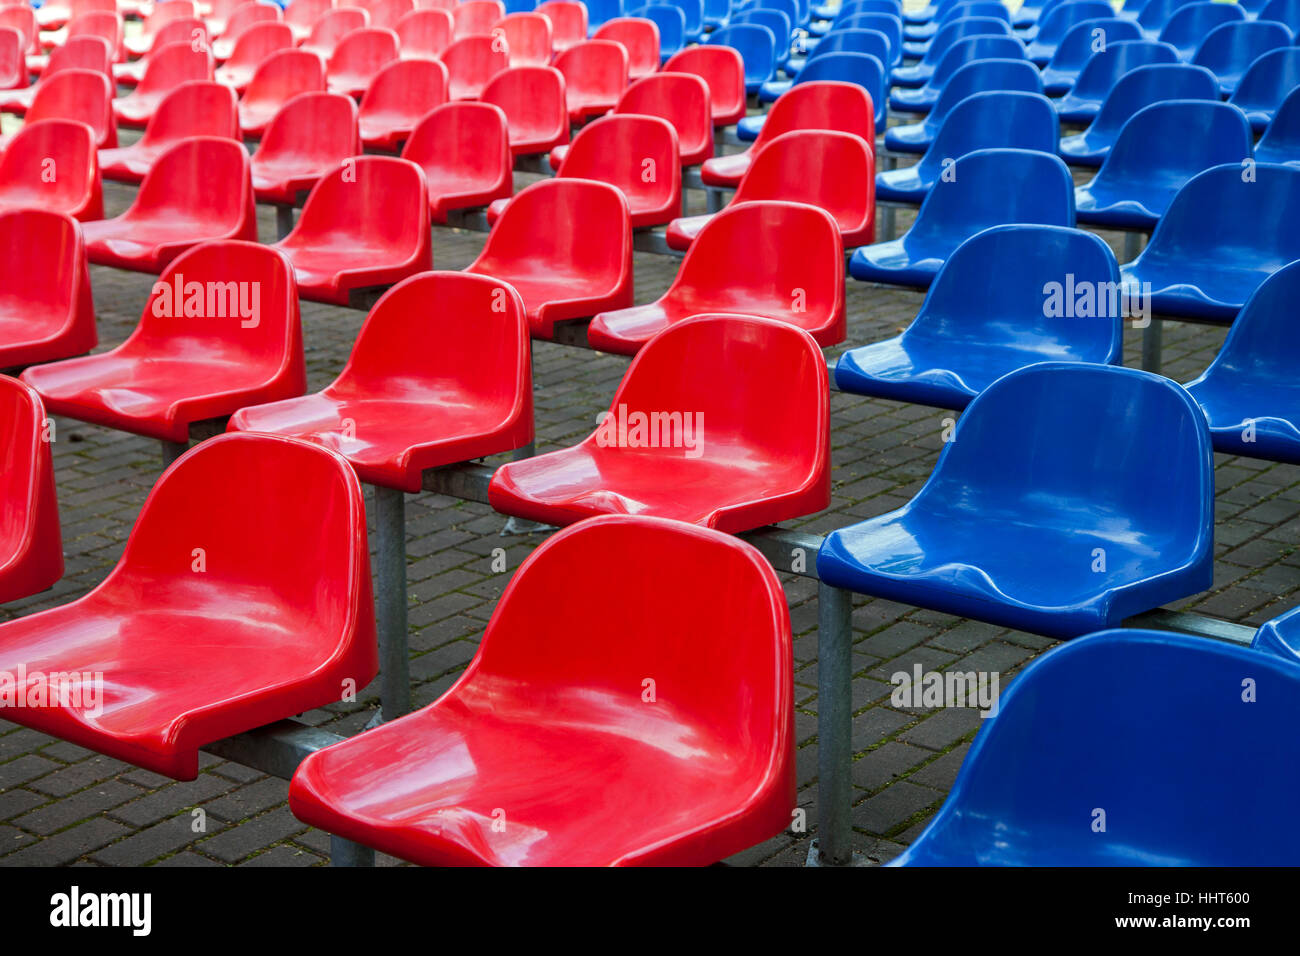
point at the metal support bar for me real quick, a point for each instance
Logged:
(1133, 243)
(1153, 344)
(390, 602)
(346, 853)
(283, 221)
(654, 241)
(714, 199)
(276, 749)
(171, 450)
(834, 724)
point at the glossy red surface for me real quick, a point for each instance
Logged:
(463, 149)
(527, 37)
(722, 68)
(424, 34)
(168, 68)
(250, 548)
(82, 95)
(568, 23)
(279, 78)
(200, 108)
(25, 180)
(640, 37)
(309, 138)
(13, 61)
(174, 370)
(532, 97)
(31, 547)
(440, 374)
(253, 46)
(476, 17)
(471, 62)
(330, 29)
(386, 13)
(552, 748)
(398, 98)
(359, 56)
(81, 53)
(97, 23)
(161, 15)
(566, 246)
(683, 100)
(185, 31)
(302, 15)
(595, 76)
(46, 309)
(244, 18)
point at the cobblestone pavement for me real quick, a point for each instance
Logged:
(61, 804)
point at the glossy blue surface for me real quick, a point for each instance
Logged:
(672, 27)
(776, 21)
(598, 12)
(861, 69)
(854, 8)
(1053, 28)
(1266, 83)
(1162, 147)
(1281, 141)
(693, 10)
(1100, 74)
(1189, 25)
(1041, 513)
(989, 187)
(716, 13)
(978, 77)
(885, 23)
(1156, 13)
(1283, 11)
(1150, 728)
(1228, 50)
(1135, 90)
(871, 42)
(923, 98)
(965, 8)
(1280, 636)
(982, 121)
(1078, 46)
(919, 74)
(978, 324)
(756, 46)
(1219, 239)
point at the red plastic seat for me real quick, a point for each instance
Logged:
(94, 23)
(13, 62)
(358, 59)
(476, 17)
(423, 34)
(778, 259)
(301, 16)
(82, 95)
(190, 32)
(51, 164)
(332, 28)
(202, 108)
(387, 13)
(595, 76)
(640, 37)
(825, 168)
(23, 19)
(675, 444)
(280, 78)
(638, 154)
(244, 18)
(79, 53)
(471, 62)
(527, 37)
(683, 100)
(568, 23)
(309, 138)
(364, 225)
(399, 96)
(440, 373)
(447, 5)
(31, 546)
(546, 752)
(823, 104)
(566, 246)
(169, 67)
(463, 149)
(722, 68)
(280, 589)
(163, 14)
(251, 50)
(46, 309)
(532, 97)
(197, 191)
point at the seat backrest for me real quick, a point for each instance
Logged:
(719, 66)
(387, 13)
(188, 30)
(856, 41)
(1262, 346)
(1166, 144)
(1151, 84)
(104, 24)
(680, 98)
(527, 37)
(424, 34)
(1156, 13)
(472, 61)
(45, 274)
(775, 20)
(201, 176)
(259, 41)
(84, 95)
(1232, 46)
(23, 19)
(981, 76)
(1090, 36)
(993, 119)
(57, 160)
(29, 521)
(285, 74)
(669, 21)
(1268, 80)
(316, 126)
(80, 53)
(568, 20)
(1286, 12)
(532, 99)
(200, 108)
(363, 52)
(333, 27)
(380, 198)
(885, 23)
(247, 14)
(408, 87)
(960, 29)
(638, 154)
(975, 48)
(820, 104)
(594, 65)
(756, 45)
(304, 13)
(694, 11)
(13, 62)
(164, 13)
(174, 64)
(832, 170)
(1104, 69)
(476, 17)
(1054, 26)
(462, 137)
(853, 8)
(1189, 24)
(861, 69)
(639, 36)
(1281, 141)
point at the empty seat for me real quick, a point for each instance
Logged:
(20, 17)
(680, 98)
(252, 49)
(872, 43)
(202, 108)
(464, 151)
(1228, 50)
(1281, 141)
(1266, 83)
(1102, 71)
(978, 76)
(82, 95)
(919, 33)
(278, 585)
(953, 33)
(1286, 12)
(1079, 44)
(1209, 273)
(301, 15)
(1189, 25)
(46, 309)
(568, 23)
(1154, 14)
(197, 191)
(476, 17)
(776, 21)
(245, 17)
(860, 69)
(104, 24)
(970, 332)
(724, 71)
(471, 62)
(79, 53)
(797, 277)
(595, 76)
(880, 22)
(330, 30)
(280, 78)
(424, 34)
(169, 67)
(1053, 28)
(189, 31)
(401, 786)
(692, 14)
(399, 96)
(640, 37)
(1039, 514)
(831, 170)
(986, 188)
(358, 59)
(161, 15)
(387, 13)
(310, 137)
(1280, 637)
(600, 12)
(1134, 90)
(51, 164)
(527, 37)
(31, 547)
(440, 373)
(532, 99)
(923, 98)
(757, 48)
(671, 24)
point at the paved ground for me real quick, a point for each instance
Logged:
(61, 804)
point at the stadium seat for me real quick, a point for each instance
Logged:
(244, 18)
(79, 53)
(400, 95)
(1134, 90)
(280, 78)
(358, 58)
(832, 170)
(1229, 50)
(987, 187)
(51, 164)
(1249, 392)
(1079, 44)
(471, 62)
(169, 67)
(1209, 274)
(1190, 23)
(47, 312)
(1286, 12)
(31, 545)
(1039, 514)
(776, 21)
(588, 777)
(463, 150)
(595, 76)
(1053, 28)
(1280, 637)
(1154, 14)
(527, 37)
(279, 586)
(301, 16)
(870, 42)
(197, 191)
(440, 374)
(680, 98)
(387, 13)
(1102, 71)
(640, 37)
(1265, 84)
(1281, 141)
(923, 98)
(886, 23)
(82, 95)
(693, 17)
(330, 30)
(724, 71)
(955, 32)
(600, 12)
(860, 69)
(20, 17)
(532, 98)
(568, 23)
(671, 23)
(1162, 147)
(163, 13)
(190, 32)
(919, 33)
(252, 49)
(978, 76)
(475, 17)
(797, 278)
(424, 34)
(94, 23)
(201, 108)
(311, 136)
(971, 332)
(757, 48)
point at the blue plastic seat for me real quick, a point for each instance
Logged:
(979, 76)
(716, 13)
(693, 10)
(927, 13)
(885, 23)
(1148, 728)
(1251, 392)
(964, 8)
(756, 46)
(1281, 141)
(988, 187)
(1041, 514)
(870, 42)
(1100, 74)
(1223, 234)
(1135, 90)
(1053, 28)
(1078, 46)
(1156, 13)
(1266, 83)
(1189, 25)
(599, 12)
(923, 98)
(1158, 151)
(671, 22)
(970, 332)
(1286, 12)
(860, 69)
(852, 8)
(1253, 8)
(1280, 636)
(776, 21)
(919, 74)
(1000, 119)
(1229, 49)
